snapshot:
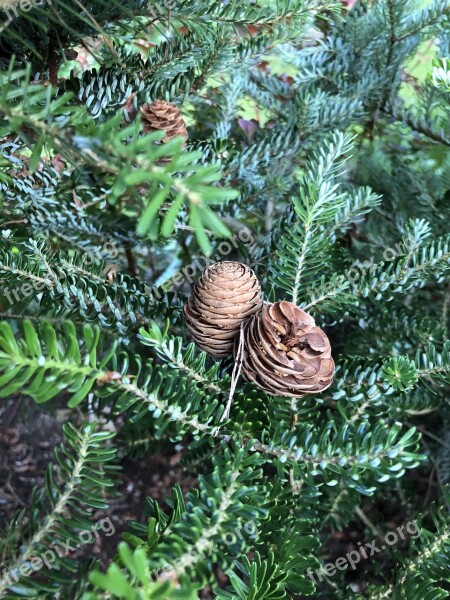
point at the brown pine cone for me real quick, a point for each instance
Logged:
(284, 353)
(227, 294)
(162, 116)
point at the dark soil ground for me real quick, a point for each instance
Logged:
(26, 448)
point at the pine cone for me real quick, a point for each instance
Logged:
(284, 353)
(162, 116)
(227, 294)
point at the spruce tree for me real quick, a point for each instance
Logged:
(142, 142)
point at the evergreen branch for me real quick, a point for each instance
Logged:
(172, 412)
(425, 17)
(187, 413)
(131, 163)
(425, 568)
(373, 382)
(190, 537)
(192, 363)
(432, 364)
(67, 508)
(44, 370)
(359, 202)
(25, 275)
(266, 579)
(206, 542)
(118, 302)
(386, 278)
(418, 125)
(330, 295)
(304, 248)
(285, 446)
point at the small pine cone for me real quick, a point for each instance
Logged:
(284, 353)
(162, 116)
(226, 295)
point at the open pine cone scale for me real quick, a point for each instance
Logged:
(163, 116)
(285, 353)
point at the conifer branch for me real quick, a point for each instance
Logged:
(82, 167)
(206, 542)
(69, 506)
(417, 125)
(413, 568)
